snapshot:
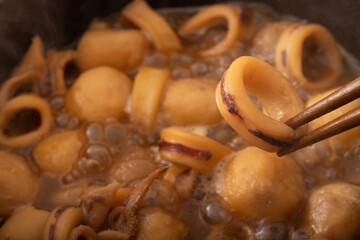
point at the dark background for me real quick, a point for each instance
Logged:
(59, 22)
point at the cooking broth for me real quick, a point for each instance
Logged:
(111, 156)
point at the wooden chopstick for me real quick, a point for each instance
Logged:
(338, 125)
(342, 96)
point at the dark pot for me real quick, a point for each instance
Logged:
(60, 22)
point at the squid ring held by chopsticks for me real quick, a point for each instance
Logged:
(210, 15)
(15, 105)
(143, 16)
(278, 97)
(308, 54)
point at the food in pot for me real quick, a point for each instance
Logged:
(163, 125)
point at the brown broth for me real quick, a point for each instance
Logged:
(126, 142)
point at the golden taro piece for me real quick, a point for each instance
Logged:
(258, 184)
(121, 49)
(158, 224)
(332, 212)
(278, 97)
(18, 184)
(98, 93)
(190, 101)
(26, 224)
(49, 153)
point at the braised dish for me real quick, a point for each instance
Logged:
(164, 125)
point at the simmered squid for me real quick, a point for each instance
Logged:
(57, 61)
(236, 26)
(12, 85)
(279, 99)
(191, 150)
(17, 104)
(61, 222)
(308, 54)
(121, 134)
(161, 34)
(146, 95)
(33, 59)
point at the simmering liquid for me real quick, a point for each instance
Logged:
(118, 150)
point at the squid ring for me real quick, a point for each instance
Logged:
(304, 47)
(82, 232)
(25, 102)
(33, 60)
(191, 150)
(146, 95)
(162, 35)
(10, 86)
(212, 14)
(57, 61)
(278, 97)
(61, 222)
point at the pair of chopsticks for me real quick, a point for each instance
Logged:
(342, 96)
